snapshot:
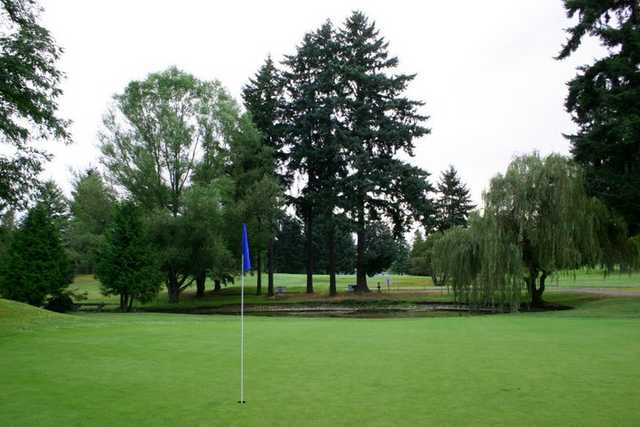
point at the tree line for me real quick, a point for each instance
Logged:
(310, 159)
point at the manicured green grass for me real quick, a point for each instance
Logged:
(596, 279)
(405, 288)
(577, 367)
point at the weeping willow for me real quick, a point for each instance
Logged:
(537, 220)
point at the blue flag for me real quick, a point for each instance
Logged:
(246, 263)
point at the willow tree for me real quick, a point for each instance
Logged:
(538, 220)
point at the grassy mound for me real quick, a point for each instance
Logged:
(16, 315)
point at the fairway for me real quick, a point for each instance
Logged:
(575, 367)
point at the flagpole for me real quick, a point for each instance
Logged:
(242, 330)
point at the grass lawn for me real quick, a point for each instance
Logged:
(577, 367)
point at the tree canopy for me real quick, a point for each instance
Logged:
(528, 231)
(29, 93)
(603, 102)
(127, 265)
(37, 266)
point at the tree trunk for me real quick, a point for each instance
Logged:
(536, 299)
(532, 279)
(201, 278)
(270, 267)
(259, 273)
(130, 303)
(332, 259)
(308, 248)
(216, 285)
(173, 288)
(361, 274)
(122, 303)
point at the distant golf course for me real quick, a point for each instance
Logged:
(571, 367)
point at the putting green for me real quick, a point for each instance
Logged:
(566, 368)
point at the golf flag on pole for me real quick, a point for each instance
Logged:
(246, 262)
(246, 266)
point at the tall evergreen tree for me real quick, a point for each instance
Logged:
(418, 262)
(263, 98)
(453, 204)
(604, 101)
(127, 265)
(289, 245)
(311, 130)
(379, 121)
(50, 196)
(37, 265)
(91, 213)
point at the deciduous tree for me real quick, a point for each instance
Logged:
(29, 93)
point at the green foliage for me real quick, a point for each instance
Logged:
(36, 264)
(344, 245)
(418, 257)
(7, 229)
(421, 259)
(262, 98)
(401, 262)
(382, 248)
(529, 230)
(346, 118)
(165, 136)
(288, 246)
(453, 204)
(50, 196)
(155, 131)
(127, 264)
(64, 300)
(603, 102)
(203, 221)
(29, 90)
(92, 209)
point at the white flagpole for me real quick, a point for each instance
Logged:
(242, 330)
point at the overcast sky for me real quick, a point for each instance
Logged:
(485, 69)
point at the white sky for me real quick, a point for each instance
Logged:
(485, 69)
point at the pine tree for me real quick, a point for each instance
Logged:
(263, 98)
(379, 121)
(37, 265)
(127, 265)
(418, 256)
(453, 205)
(604, 101)
(311, 130)
(289, 245)
(91, 209)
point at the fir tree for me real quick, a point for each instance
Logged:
(604, 101)
(37, 265)
(378, 122)
(126, 265)
(454, 202)
(262, 98)
(311, 130)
